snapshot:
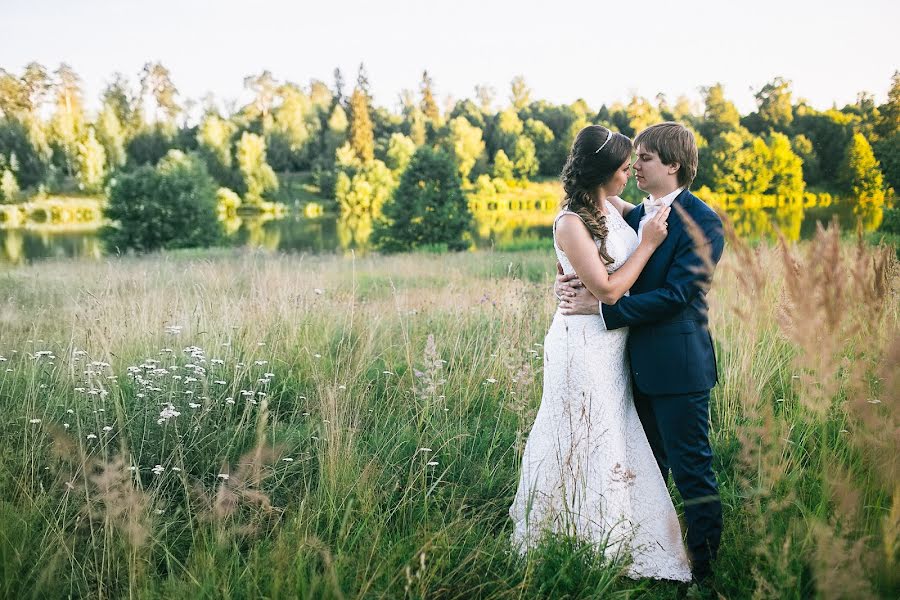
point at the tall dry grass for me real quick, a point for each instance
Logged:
(340, 428)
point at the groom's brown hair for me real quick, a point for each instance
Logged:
(674, 143)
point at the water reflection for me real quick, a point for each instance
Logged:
(296, 232)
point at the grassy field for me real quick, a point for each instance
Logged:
(240, 425)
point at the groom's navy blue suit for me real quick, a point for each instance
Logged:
(673, 365)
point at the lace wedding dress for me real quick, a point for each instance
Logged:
(588, 470)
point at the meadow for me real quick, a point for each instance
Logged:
(241, 424)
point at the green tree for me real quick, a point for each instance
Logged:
(466, 145)
(67, 122)
(171, 205)
(335, 133)
(112, 136)
(259, 177)
(888, 125)
(214, 137)
(362, 137)
(264, 87)
(13, 95)
(18, 149)
(543, 139)
(485, 95)
(803, 147)
(428, 207)
(720, 115)
(525, 162)
(156, 81)
(775, 108)
(91, 163)
(117, 96)
(887, 151)
(641, 114)
(429, 105)
(400, 151)
(862, 179)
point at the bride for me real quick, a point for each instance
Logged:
(588, 470)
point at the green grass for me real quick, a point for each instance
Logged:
(353, 397)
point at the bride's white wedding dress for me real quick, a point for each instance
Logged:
(587, 469)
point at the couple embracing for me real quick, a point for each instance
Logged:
(628, 362)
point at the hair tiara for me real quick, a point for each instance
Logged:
(608, 137)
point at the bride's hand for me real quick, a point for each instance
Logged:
(656, 229)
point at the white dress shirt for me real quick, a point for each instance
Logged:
(653, 206)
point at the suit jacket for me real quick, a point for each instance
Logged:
(669, 345)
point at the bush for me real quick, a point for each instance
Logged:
(428, 208)
(172, 205)
(891, 221)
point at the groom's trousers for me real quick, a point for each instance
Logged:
(677, 427)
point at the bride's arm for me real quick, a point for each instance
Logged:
(621, 205)
(576, 241)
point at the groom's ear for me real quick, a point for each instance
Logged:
(673, 168)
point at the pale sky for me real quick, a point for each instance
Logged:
(600, 51)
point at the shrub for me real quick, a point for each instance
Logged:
(172, 205)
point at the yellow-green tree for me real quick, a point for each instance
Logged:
(111, 134)
(91, 163)
(362, 137)
(520, 93)
(774, 101)
(786, 167)
(9, 187)
(466, 144)
(259, 177)
(503, 167)
(67, 122)
(399, 152)
(720, 115)
(525, 162)
(862, 179)
(429, 104)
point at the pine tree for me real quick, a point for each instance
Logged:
(362, 137)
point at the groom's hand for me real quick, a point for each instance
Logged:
(574, 298)
(581, 302)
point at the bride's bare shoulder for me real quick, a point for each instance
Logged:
(621, 205)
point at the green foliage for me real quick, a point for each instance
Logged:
(544, 146)
(91, 163)
(259, 178)
(429, 104)
(19, 153)
(862, 180)
(888, 125)
(735, 162)
(503, 167)
(720, 115)
(641, 114)
(111, 135)
(9, 187)
(149, 145)
(400, 151)
(525, 162)
(156, 81)
(520, 93)
(465, 144)
(887, 151)
(891, 222)
(774, 102)
(427, 208)
(786, 167)
(361, 193)
(171, 205)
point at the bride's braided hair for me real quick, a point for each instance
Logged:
(586, 169)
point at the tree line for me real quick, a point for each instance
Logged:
(358, 151)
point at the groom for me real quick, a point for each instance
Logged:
(673, 363)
